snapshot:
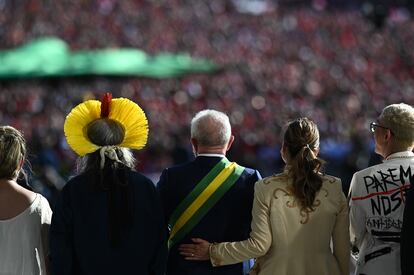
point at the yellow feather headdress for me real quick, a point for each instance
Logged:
(122, 110)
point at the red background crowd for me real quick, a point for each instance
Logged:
(278, 61)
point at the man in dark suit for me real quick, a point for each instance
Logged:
(407, 234)
(222, 216)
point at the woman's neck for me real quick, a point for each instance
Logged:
(7, 183)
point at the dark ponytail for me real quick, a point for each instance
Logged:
(303, 166)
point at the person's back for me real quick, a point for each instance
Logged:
(108, 219)
(377, 194)
(295, 216)
(83, 215)
(302, 239)
(407, 237)
(24, 215)
(23, 238)
(377, 207)
(14, 199)
(229, 217)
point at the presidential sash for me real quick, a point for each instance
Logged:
(202, 198)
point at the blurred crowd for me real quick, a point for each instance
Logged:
(334, 66)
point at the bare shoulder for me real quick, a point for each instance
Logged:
(14, 200)
(25, 194)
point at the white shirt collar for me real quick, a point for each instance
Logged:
(211, 155)
(400, 155)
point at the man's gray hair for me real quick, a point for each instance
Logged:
(211, 128)
(400, 119)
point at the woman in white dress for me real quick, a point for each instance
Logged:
(24, 215)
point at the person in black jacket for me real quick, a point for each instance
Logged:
(407, 233)
(108, 218)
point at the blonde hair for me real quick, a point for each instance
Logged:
(399, 118)
(12, 152)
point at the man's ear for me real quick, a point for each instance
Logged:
(194, 143)
(388, 135)
(230, 142)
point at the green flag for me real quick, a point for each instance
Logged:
(52, 57)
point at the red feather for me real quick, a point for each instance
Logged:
(106, 104)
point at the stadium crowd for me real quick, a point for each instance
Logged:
(334, 66)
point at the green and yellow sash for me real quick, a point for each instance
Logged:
(202, 198)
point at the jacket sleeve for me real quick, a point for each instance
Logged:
(340, 236)
(407, 238)
(260, 237)
(163, 192)
(356, 214)
(61, 236)
(242, 229)
(159, 259)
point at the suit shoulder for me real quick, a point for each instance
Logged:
(331, 179)
(266, 187)
(138, 177)
(274, 181)
(331, 182)
(178, 167)
(74, 181)
(368, 170)
(250, 171)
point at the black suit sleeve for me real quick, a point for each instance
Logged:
(407, 237)
(245, 227)
(163, 191)
(61, 245)
(159, 260)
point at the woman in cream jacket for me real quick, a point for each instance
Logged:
(300, 220)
